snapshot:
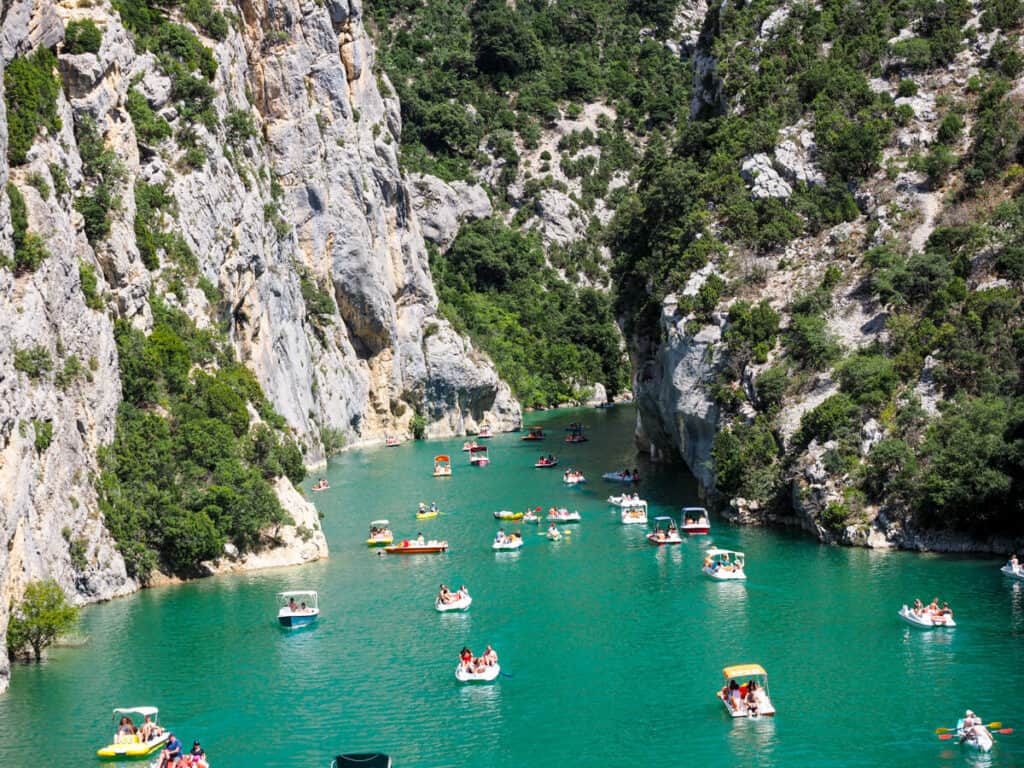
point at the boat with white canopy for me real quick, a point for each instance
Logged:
(134, 744)
(724, 564)
(297, 608)
(634, 512)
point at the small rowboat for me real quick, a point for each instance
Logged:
(408, 547)
(977, 737)
(695, 521)
(510, 543)
(665, 532)
(489, 674)
(127, 746)
(323, 485)
(620, 477)
(563, 515)
(462, 604)
(575, 434)
(546, 464)
(507, 515)
(624, 500)
(926, 620)
(1017, 573)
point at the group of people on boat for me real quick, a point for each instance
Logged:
(172, 755)
(377, 532)
(573, 475)
(696, 520)
(932, 609)
(478, 664)
(504, 538)
(424, 509)
(722, 563)
(547, 461)
(128, 733)
(469, 445)
(747, 697)
(627, 476)
(671, 531)
(971, 729)
(299, 608)
(447, 596)
(321, 484)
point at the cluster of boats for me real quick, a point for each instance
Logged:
(148, 739)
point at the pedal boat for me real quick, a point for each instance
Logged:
(536, 433)
(563, 515)
(545, 464)
(694, 521)
(410, 547)
(619, 477)
(488, 675)
(724, 565)
(510, 543)
(383, 535)
(291, 619)
(1017, 573)
(425, 513)
(746, 673)
(442, 466)
(665, 532)
(462, 604)
(979, 737)
(478, 456)
(634, 513)
(926, 620)
(128, 746)
(573, 478)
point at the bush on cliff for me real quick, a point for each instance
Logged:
(186, 471)
(31, 87)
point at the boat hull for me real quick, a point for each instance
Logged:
(982, 740)
(615, 477)
(925, 621)
(695, 530)
(722, 575)
(380, 542)
(443, 474)
(426, 515)
(295, 620)
(764, 710)
(662, 542)
(508, 515)
(511, 546)
(132, 751)
(1018, 574)
(633, 518)
(426, 549)
(462, 604)
(573, 518)
(490, 674)
(539, 465)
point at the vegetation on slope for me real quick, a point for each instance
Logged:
(189, 469)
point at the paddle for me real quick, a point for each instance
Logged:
(1003, 731)
(990, 726)
(503, 673)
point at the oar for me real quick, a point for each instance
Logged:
(503, 673)
(987, 725)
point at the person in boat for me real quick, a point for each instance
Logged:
(918, 606)
(149, 730)
(419, 538)
(636, 475)
(490, 657)
(970, 720)
(499, 537)
(753, 700)
(1014, 563)
(171, 753)
(197, 755)
(466, 657)
(734, 695)
(422, 507)
(945, 610)
(552, 528)
(709, 562)
(433, 506)
(293, 606)
(126, 730)
(445, 596)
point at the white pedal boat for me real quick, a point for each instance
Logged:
(508, 544)
(462, 604)
(624, 500)
(570, 478)
(563, 515)
(979, 737)
(489, 674)
(925, 620)
(1013, 574)
(737, 706)
(553, 534)
(531, 517)
(619, 477)
(634, 513)
(725, 565)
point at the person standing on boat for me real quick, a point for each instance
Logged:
(420, 539)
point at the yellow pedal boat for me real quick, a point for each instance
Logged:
(426, 515)
(380, 534)
(129, 746)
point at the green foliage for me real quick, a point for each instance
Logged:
(44, 434)
(31, 87)
(770, 386)
(104, 172)
(240, 127)
(33, 361)
(38, 181)
(810, 342)
(752, 330)
(150, 128)
(82, 36)
(834, 419)
(746, 461)
(175, 487)
(891, 470)
(60, 180)
(42, 616)
(869, 378)
(207, 18)
(333, 440)
(89, 284)
(997, 132)
(546, 337)
(418, 425)
(69, 373)
(152, 204)
(29, 249)
(320, 307)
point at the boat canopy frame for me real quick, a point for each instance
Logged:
(283, 597)
(151, 711)
(380, 523)
(744, 670)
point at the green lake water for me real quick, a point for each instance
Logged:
(614, 647)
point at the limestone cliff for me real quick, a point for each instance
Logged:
(291, 193)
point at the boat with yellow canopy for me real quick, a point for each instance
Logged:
(745, 693)
(132, 746)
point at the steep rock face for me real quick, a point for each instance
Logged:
(310, 202)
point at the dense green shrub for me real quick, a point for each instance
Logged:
(44, 434)
(33, 361)
(104, 172)
(834, 419)
(29, 249)
(31, 87)
(869, 378)
(175, 487)
(752, 330)
(150, 128)
(87, 280)
(42, 616)
(207, 18)
(82, 36)
(746, 461)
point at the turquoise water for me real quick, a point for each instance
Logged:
(615, 647)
